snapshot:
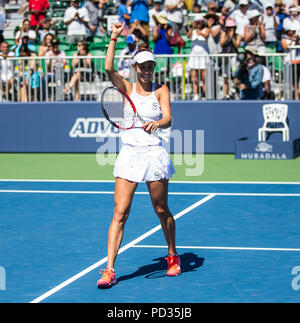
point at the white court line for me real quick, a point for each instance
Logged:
(57, 192)
(147, 193)
(221, 248)
(171, 182)
(127, 246)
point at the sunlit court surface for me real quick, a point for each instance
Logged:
(238, 243)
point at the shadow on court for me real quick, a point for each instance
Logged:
(189, 262)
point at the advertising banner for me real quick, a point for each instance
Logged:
(73, 127)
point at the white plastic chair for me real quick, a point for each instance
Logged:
(274, 113)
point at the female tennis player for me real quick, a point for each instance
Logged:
(142, 157)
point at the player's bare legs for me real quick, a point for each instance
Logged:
(124, 191)
(159, 196)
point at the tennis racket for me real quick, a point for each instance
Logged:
(119, 109)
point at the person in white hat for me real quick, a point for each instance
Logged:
(240, 17)
(255, 34)
(271, 22)
(290, 3)
(198, 59)
(125, 63)
(142, 157)
(293, 19)
(288, 40)
(162, 34)
(156, 10)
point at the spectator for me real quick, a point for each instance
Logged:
(54, 52)
(25, 31)
(198, 33)
(195, 12)
(102, 8)
(255, 34)
(28, 74)
(290, 3)
(177, 41)
(44, 27)
(138, 30)
(143, 44)
(230, 5)
(77, 20)
(139, 12)
(213, 40)
(292, 19)
(55, 64)
(230, 42)
(7, 70)
(240, 17)
(3, 24)
(271, 22)
(83, 68)
(281, 14)
(155, 11)
(24, 10)
(124, 16)
(164, 38)
(46, 45)
(24, 40)
(292, 58)
(174, 9)
(212, 7)
(251, 84)
(140, 39)
(125, 63)
(162, 34)
(224, 15)
(37, 10)
(267, 80)
(196, 8)
(257, 5)
(95, 27)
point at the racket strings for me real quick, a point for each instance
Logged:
(118, 108)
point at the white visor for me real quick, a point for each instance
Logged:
(143, 57)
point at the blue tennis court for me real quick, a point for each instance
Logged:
(239, 242)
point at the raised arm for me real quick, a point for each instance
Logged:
(113, 75)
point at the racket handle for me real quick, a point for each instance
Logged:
(162, 138)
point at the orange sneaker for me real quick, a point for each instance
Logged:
(108, 278)
(173, 265)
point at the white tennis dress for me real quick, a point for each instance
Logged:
(142, 157)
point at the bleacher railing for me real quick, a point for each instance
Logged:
(40, 79)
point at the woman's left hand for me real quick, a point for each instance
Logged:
(150, 126)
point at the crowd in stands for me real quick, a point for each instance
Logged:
(251, 27)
